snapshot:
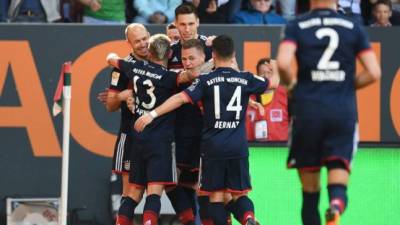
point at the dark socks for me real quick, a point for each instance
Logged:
(126, 211)
(218, 213)
(309, 211)
(338, 196)
(151, 210)
(182, 205)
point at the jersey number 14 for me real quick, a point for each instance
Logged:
(233, 105)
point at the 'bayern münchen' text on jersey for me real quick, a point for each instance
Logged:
(327, 46)
(224, 94)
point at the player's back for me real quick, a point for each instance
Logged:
(225, 95)
(152, 85)
(327, 46)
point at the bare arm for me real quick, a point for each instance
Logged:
(114, 99)
(285, 57)
(274, 79)
(169, 105)
(371, 72)
(257, 106)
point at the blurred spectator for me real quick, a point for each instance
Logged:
(3, 10)
(34, 11)
(130, 11)
(381, 12)
(273, 125)
(369, 15)
(351, 8)
(217, 11)
(155, 11)
(173, 33)
(103, 11)
(287, 8)
(259, 13)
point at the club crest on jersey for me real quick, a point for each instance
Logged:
(114, 78)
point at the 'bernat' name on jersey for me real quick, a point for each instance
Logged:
(146, 73)
(226, 124)
(228, 79)
(326, 22)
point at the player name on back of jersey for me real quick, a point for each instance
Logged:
(146, 73)
(226, 124)
(328, 75)
(326, 21)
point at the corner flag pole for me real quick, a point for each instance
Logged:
(65, 146)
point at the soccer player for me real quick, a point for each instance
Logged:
(137, 37)
(189, 120)
(323, 104)
(153, 159)
(225, 95)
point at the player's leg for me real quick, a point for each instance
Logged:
(305, 135)
(337, 190)
(238, 184)
(212, 182)
(340, 146)
(310, 182)
(134, 190)
(152, 206)
(160, 172)
(182, 205)
(216, 208)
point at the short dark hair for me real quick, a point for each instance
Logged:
(223, 46)
(186, 8)
(388, 3)
(193, 43)
(262, 61)
(171, 26)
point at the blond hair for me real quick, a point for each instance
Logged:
(159, 45)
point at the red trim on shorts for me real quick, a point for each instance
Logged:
(197, 169)
(202, 193)
(137, 185)
(187, 97)
(114, 90)
(163, 183)
(364, 51)
(336, 158)
(291, 42)
(238, 191)
(310, 169)
(210, 192)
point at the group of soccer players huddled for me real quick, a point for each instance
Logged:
(183, 108)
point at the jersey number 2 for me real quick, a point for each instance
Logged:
(325, 62)
(233, 105)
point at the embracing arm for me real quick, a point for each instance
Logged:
(169, 105)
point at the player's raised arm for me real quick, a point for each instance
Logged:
(169, 105)
(274, 79)
(285, 57)
(371, 72)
